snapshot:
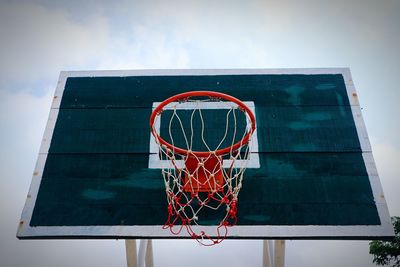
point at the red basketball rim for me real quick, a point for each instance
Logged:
(184, 96)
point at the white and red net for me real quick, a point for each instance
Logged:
(204, 156)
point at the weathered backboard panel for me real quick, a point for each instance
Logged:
(311, 173)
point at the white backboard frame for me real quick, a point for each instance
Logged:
(353, 232)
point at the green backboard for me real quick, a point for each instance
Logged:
(311, 173)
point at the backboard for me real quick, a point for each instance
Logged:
(311, 173)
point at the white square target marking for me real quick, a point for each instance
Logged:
(156, 163)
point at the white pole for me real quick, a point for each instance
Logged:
(266, 254)
(149, 254)
(279, 257)
(130, 247)
(142, 252)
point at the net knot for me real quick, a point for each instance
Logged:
(177, 199)
(169, 209)
(195, 236)
(233, 209)
(225, 200)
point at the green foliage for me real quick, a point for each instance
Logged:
(387, 252)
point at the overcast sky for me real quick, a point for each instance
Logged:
(38, 39)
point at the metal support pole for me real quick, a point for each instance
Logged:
(149, 254)
(142, 252)
(130, 247)
(266, 254)
(279, 257)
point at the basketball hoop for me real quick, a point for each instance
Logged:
(203, 184)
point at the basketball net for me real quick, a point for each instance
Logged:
(203, 186)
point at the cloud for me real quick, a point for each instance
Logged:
(233, 253)
(38, 42)
(22, 121)
(23, 118)
(387, 159)
(328, 253)
(144, 48)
